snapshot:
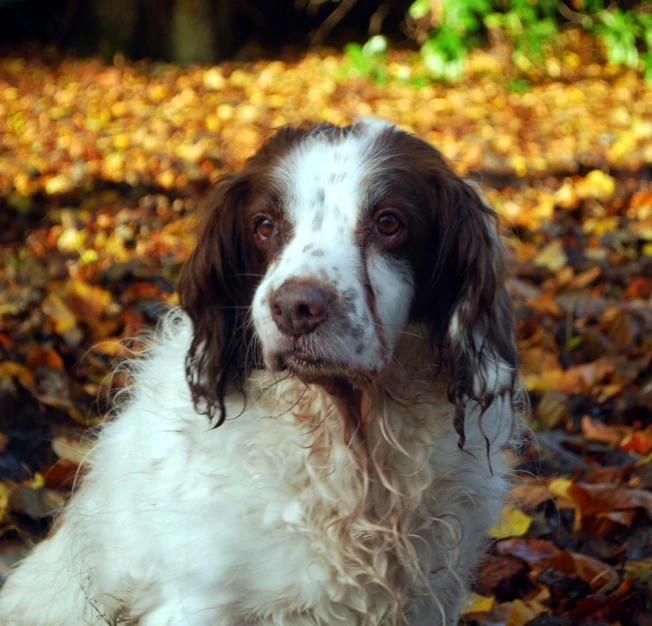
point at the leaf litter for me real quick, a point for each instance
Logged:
(101, 171)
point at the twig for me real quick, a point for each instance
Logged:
(377, 19)
(577, 17)
(331, 22)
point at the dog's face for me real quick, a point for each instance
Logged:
(316, 257)
(338, 286)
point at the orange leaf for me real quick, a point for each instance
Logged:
(44, 357)
(639, 441)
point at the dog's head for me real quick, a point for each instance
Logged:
(331, 241)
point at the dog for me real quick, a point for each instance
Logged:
(317, 436)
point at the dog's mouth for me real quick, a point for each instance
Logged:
(310, 367)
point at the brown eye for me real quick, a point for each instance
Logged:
(388, 225)
(265, 228)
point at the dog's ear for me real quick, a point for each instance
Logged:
(216, 290)
(470, 311)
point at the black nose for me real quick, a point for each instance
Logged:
(298, 308)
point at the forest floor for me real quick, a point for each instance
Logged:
(101, 170)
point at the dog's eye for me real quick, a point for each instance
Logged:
(388, 225)
(265, 228)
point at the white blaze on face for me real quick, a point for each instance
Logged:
(323, 180)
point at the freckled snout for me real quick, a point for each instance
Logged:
(298, 308)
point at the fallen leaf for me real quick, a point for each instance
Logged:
(44, 357)
(475, 603)
(596, 184)
(513, 523)
(552, 257)
(560, 488)
(10, 369)
(594, 499)
(530, 550)
(593, 571)
(523, 612)
(59, 184)
(74, 451)
(639, 441)
(63, 318)
(595, 430)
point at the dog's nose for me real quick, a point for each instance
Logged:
(298, 308)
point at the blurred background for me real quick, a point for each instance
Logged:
(116, 117)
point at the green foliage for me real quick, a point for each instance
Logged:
(529, 26)
(444, 53)
(419, 9)
(366, 60)
(620, 30)
(519, 85)
(446, 48)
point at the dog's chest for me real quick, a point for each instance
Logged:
(315, 519)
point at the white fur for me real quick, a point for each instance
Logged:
(325, 183)
(263, 520)
(278, 517)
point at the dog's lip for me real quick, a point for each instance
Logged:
(307, 362)
(300, 358)
(305, 356)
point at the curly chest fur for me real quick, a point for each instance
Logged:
(357, 528)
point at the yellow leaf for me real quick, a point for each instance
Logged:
(16, 370)
(55, 308)
(213, 79)
(59, 184)
(475, 603)
(4, 499)
(213, 123)
(71, 239)
(559, 487)
(641, 569)
(596, 184)
(513, 523)
(38, 482)
(523, 612)
(553, 256)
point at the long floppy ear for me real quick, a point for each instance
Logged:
(215, 290)
(476, 333)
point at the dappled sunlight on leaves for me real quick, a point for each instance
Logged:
(101, 172)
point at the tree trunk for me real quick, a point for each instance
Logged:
(116, 22)
(200, 31)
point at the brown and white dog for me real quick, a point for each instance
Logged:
(346, 325)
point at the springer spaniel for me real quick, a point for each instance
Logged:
(345, 324)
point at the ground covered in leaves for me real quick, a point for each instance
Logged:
(101, 169)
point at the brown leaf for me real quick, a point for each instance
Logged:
(599, 498)
(499, 573)
(530, 550)
(585, 278)
(594, 571)
(582, 378)
(552, 410)
(595, 430)
(44, 357)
